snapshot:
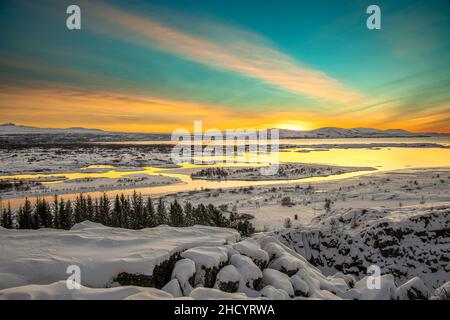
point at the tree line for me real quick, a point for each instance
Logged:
(131, 212)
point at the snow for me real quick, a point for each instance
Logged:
(183, 271)
(42, 256)
(273, 293)
(250, 248)
(207, 260)
(34, 262)
(399, 240)
(300, 286)
(362, 291)
(213, 294)
(286, 262)
(227, 274)
(278, 280)
(59, 291)
(173, 288)
(442, 293)
(412, 289)
(207, 257)
(247, 269)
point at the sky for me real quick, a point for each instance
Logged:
(157, 66)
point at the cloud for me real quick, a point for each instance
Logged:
(234, 50)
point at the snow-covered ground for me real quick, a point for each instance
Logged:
(391, 189)
(407, 242)
(70, 158)
(196, 263)
(285, 171)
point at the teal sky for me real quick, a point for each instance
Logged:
(159, 65)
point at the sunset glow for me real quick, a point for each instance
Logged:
(147, 68)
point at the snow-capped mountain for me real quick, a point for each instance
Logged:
(11, 128)
(332, 132)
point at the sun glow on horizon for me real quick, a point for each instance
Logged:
(293, 125)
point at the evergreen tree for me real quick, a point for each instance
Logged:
(188, 214)
(104, 209)
(7, 219)
(216, 217)
(42, 214)
(245, 228)
(117, 214)
(150, 214)
(161, 214)
(79, 210)
(55, 212)
(200, 215)
(89, 208)
(65, 215)
(96, 216)
(126, 211)
(25, 216)
(176, 217)
(138, 214)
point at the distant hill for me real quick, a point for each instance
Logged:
(332, 132)
(11, 128)
(12, 132)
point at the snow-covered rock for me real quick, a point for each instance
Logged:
(442, 293)
(184, 262)
(59, 291)
(278, 280)
(251, 275)
(411, 241)
(102, 253)
(287, 263)
(251, 248)
(273, 293)
(208, 261)
(184, 272)
(211, 293)
(413, 289)
(173, 287)
(361, 291)
(228, 279)
(301, 288)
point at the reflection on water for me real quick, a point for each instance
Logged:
(382, 159)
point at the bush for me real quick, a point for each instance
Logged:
(287, 223)
(286, 201)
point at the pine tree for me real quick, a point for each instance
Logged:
(161, 214)
(104, 209)
(188, 214)
(79, 211)
(245, 228)
(216, 217)
(96, 216)
(150, 214)
(126, 211)
(60, 215)
(65, 215)
(89, 209)
(200, 215)
(55, 212)
(176, 217)
(138, 215)
(42, 214)
(7, 219)
(25, 216)
(117, 214)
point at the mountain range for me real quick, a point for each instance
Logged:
(326, 132)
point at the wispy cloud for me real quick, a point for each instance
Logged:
(250, 56)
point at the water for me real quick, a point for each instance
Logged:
(383, 159)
